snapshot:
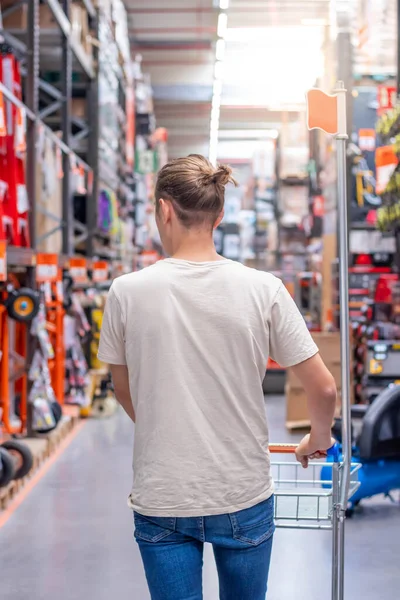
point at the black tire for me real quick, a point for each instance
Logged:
(23, 305)
(57, 411)
(14, 447)
(7, 467)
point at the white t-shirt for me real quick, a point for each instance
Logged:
(196, 338)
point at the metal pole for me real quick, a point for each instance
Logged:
(335, 522)
(398, 48)
(397, 228)
(93, 148)
(344, 315)
(340, 556)
(66, 88)
(341, 139)
(32, 102)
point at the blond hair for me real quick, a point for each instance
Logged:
(195, 188)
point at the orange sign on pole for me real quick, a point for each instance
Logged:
(322, 111)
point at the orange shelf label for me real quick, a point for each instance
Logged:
(3, 261)
(78, 269)
(46, 268)
(100, 271)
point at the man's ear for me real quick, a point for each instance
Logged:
(165, 210)
(219, 219)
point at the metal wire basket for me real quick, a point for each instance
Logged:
(302, 499)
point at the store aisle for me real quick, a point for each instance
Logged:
(72, 538)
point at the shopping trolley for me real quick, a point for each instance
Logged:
(304, 501)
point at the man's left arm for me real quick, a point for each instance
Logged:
(120, 379)
(112, 350)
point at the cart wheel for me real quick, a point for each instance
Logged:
(57, 411)
(7, 468)
(23, 304)
(22, 457)
(349, 513)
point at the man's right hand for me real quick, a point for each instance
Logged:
(311, 448)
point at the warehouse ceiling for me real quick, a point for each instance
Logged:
(271, 54)
(176, 40)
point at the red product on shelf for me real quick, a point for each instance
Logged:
(384, 288)
(14, 211)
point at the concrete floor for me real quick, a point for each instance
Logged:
(72, 537)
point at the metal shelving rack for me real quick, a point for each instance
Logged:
(48, 107)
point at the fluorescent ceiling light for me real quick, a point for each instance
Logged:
(314, 22)
(216, 102)
(215, 113)
(217, 89)
(276, 37)
(223, 4)
(222, 24)
(220, 49)
(214, 125)
(218, 70)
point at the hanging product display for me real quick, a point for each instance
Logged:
(41, 395)
(77, 329)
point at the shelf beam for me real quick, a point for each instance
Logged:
(90, 8)
(66, 90)
(65, 25)
(93, 149)
(32, 102)
(66, 149)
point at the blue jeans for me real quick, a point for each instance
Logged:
(172, 553)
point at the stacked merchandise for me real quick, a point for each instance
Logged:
(46, 410)
(388, 127)
(77, 329)
(151, 155)
(297, 413)
(14, 202)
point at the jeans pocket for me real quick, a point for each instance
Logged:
(153, 529)
(254, 525)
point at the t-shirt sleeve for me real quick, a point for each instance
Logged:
(290, 341)
(112, 339)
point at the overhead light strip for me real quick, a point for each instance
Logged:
(218, 74)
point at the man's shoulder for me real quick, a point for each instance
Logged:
(135, 279)
(258, 276)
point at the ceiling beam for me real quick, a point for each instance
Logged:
(170, 11)
(172, 30)
(171, 63)
(162, 45)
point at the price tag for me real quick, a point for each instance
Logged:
(46, 268)
(386, 98)
(78, 270)
(386, 161)
(100, 271)
(149, 257)
(3, 261)
(366, 140)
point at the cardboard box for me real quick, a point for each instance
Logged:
(334, 368)
(46, 18)
(78, 107)
(296, 408)
(329, 346)
(18, 19)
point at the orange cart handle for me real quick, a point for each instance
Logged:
(282, 448)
